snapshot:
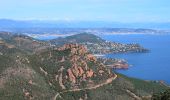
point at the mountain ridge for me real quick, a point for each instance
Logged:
(9, 23)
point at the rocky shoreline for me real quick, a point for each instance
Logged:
(114, 63)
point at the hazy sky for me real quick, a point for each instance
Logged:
(96, 10)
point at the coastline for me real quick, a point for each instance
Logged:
(99, 55)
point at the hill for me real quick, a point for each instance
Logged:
(69, 72)
(23, 42)
(96, 45)
(78, 38)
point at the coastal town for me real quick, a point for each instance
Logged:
(97, 45)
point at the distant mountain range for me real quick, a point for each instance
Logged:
(53, 26)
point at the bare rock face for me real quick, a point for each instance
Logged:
(63, 59)
(91, 57)
(82, 67)
(74, 48)
(81, 71)
(75, 70)
(30, 82)
(101, 71)
(71, 76)
(89, 73)
(79, 57)
(74, 58)
(121, 66)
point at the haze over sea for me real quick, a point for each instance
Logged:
(154, 65)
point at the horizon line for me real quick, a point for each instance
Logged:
(66, 20)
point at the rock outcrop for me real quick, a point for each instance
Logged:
(82, 67)
(72, 78)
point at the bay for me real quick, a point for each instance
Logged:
(154, 65)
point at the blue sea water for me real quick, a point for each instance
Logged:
(154, 65)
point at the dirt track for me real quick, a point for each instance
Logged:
(109, 80)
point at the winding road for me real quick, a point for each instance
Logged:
(109, 80)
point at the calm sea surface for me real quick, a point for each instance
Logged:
(148, 66)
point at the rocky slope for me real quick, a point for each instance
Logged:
(73, 67)
(18, 80)
(114, 63)
(68, 72)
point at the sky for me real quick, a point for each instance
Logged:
(87, 10)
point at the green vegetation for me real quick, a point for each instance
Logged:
(28, 75)
(78, 38)
(97, 45)
(162, 95)
(145, 86)
(117, 90)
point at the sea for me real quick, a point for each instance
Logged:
(154, 65)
